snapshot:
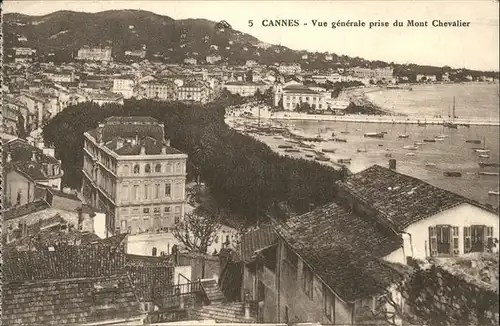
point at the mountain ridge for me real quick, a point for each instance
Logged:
(174, 40)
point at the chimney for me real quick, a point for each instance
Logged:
(9, 157)
(99, 133)
(143, 149)
(119, 143)
(392, 164)
(136, 139)
(167, 142)
(48, 151)
(33, 156)
(164, 150)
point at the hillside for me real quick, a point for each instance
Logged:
(64, 32)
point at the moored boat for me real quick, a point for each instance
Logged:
(452, 174)
(488, 173)
(410, 147)
(292, 150)
(344, 161)
(374, 135)
(326, 150)
(473, 141)
(486, 164)
(484, 156)
(322, 158)
(429, 140)
(430, 164)
(341, 140)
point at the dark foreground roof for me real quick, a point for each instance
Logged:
(253, 241)
(343, 250)
(69, 301)
(402, 199)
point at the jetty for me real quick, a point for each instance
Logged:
(388, 119)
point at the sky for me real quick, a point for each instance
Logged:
(473, 47)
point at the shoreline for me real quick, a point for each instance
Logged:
(386, 119)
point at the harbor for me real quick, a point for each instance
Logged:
(463, 160)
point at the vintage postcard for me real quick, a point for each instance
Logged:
(250, 162)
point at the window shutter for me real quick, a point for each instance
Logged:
(455, 241)
(488, 237)
(467, 239)
(432, 241)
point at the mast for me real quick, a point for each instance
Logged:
(453, 116)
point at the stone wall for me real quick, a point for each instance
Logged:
(438, 296)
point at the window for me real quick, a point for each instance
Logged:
(308, 281)
(146, 188)
(329, 304)
(456, 250)
(178, 168)
(169, 168)
(168, 190)
(440, 240)
(156, 210)
(291, 257)
(158, 168)
(135, 190)
(145, 210)
(177, 215)
(489, 237)
(125, 192)
(147, 169)
(136, 169)
(478, 235)
(467, 240)
(157, 191)
(166, 209)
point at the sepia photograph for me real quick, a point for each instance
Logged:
(284, 163)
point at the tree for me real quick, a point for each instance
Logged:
(198, 230)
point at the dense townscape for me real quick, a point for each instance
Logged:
(136, 192)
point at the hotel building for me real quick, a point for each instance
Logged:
(95, 54)
(133, 174)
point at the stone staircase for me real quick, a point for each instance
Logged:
(214, 294)
(231, 312)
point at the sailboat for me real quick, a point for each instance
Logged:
(362, 150)
(451, 123)
(482, 150)
(345, 131)
(405, 135)
(442, 135)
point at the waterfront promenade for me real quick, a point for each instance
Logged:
(379, 119)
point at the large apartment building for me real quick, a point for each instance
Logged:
(132, 173)
(95, 53)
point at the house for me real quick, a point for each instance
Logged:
(258, 277)
(211, 59)
(124, 86)
(102, 98)
(71, 285)
(291, 69)
(330, 265)
(295, 95)
(27, 168)
(245, 89)
(430, 220)
(190, 61)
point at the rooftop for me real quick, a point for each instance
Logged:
(32, 207)
(343, 249)
(70, 301)
(151, 145)
(402, 199)
(256, 240)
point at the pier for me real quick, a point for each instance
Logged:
(472, 121)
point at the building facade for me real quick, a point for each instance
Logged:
(124, 87)
(95, 53)
(131, 172)
(245, 89)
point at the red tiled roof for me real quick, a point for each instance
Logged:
(256, 240)
(401, 199)
(342, 249)
(69, 301)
